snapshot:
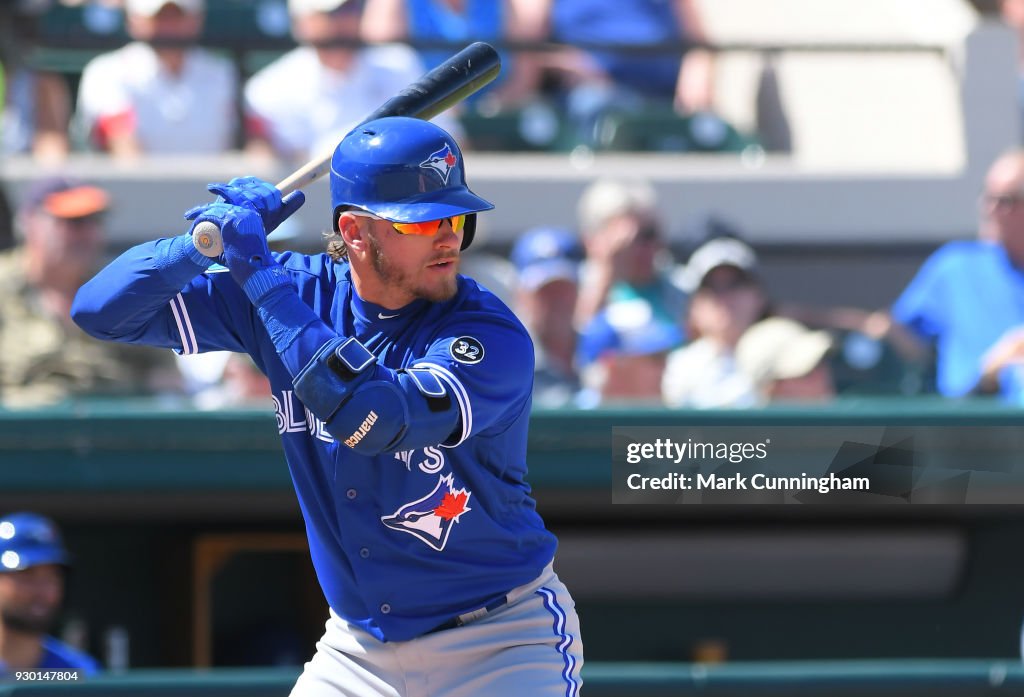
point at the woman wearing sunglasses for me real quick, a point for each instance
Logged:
(402, 393)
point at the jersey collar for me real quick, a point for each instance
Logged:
(372, 313)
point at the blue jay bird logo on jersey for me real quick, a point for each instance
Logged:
(442, 162)
(432, 517)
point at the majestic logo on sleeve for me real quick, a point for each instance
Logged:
(432, 517)
(442, 162)
(466, 349)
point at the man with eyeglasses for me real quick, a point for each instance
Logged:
(968, 297)
(44, 357)
(402, 392)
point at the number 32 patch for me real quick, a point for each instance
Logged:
(466, 349)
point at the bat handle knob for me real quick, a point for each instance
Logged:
(206, 238)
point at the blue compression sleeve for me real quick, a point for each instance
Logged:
(295, 330)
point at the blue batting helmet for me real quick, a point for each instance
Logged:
(29, 539)
(404, 170)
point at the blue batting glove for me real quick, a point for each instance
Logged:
(263, 197)
(246, 253)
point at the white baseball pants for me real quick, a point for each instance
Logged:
(530, 646)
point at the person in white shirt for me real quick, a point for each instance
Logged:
(727, 298)
(161, 93)
(308, 99)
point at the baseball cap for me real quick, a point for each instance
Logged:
(778, 348)
(628, 327)
(305, 7)
(544, 254)
(149, 8)
(64, 197)
(607, 198)
(720, 251)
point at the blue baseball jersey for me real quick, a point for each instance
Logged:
(402, 541)
(964, 298)
(59, 656)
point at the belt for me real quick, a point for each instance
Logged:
(471, 616)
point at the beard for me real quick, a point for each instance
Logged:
(398, 278)
(27, 623)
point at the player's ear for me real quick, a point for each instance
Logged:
(354, 231)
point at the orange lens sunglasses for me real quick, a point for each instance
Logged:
(428, 228)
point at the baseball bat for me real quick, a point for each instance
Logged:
(449, 83)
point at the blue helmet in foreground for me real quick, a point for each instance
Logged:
(405, 170)
(29, 539)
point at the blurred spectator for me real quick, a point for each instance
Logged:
(873, 354)
(966, 297)
(610, 81)
(727, 300)
(626, 257)
(203, 375)
(461, 22)
(786, 361)
(547, 261)
(33, 564)
(161, 93)
(305, 101)
(629, 309)
(44, 356)
(493, 271)
(232, 380)
(36, 104)
(622, 354)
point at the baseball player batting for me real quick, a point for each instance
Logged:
(402, 394)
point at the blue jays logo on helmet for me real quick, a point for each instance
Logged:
(379, 167)
(432, 517)
(441, 161)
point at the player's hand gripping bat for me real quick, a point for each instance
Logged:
(449, 83)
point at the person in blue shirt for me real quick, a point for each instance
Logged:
(32, 565)
(547, 262)
(608, 75)
(968, 297)
(402, 396)
(460, 22)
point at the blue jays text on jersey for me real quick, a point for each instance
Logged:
(402, 541)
